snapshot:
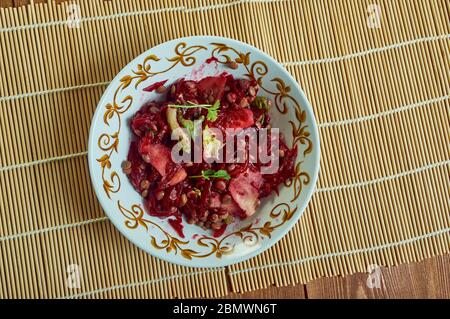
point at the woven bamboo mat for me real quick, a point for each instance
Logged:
(380, 94)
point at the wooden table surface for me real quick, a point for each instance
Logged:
(427, 279)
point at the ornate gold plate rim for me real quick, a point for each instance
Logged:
(104, 145)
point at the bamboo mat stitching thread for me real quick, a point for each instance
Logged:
(370, 51)
(142, 12)
(44, 161)
(385, 113)
(384, 178)
(140, 283)
(55, 228)
(320, 125)
(51, 91)
(281, 264)
(346, 253)
(294, 63)
(318, 190)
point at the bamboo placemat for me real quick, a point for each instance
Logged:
(380, 95)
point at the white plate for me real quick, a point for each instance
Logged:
(110, 136)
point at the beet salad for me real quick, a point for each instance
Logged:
(210, 194)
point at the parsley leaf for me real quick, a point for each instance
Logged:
(210, 173)
(212, 109)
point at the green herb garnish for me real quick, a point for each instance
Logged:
(261, 103)
(210, 173)
(212, 112)
(212, 109)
